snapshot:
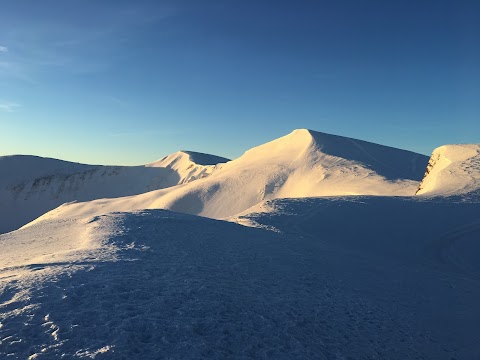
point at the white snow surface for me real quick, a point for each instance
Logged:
(333, 278)
(304, 163)
(190, 165)
(452, 169)
(31, 185)
(305, 268)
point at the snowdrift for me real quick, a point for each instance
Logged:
(452, 169)
(352, 277)
(302, 164)
(189, 165)
(31, 186)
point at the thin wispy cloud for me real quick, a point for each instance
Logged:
(118, 101)
(14, 70)
(9, 106)
(43, 45)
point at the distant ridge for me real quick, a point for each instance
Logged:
(303, 163)
(387, 161)
(33, 185)
(452, 170)
(204, 159)
(194, 157)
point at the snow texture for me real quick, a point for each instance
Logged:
(452, 169)
(396, 284)
(31, 186)
(323, 252)
(302, 164)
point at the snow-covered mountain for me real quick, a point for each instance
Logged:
(321, 271)
(452, 169)
(303, 163)
(189, 165)
(31, 185)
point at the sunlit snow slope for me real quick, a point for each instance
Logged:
(31, 186)
(302, 164)
(452, 169)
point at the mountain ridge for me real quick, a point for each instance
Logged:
(32, 185)
(291, 166)
(452, 169)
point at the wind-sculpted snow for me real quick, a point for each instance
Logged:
(389, 162)
(188, 158)
(31, 186)
(415, 256)
(452, 169)
(302, 164)
(190, 165)
(339, 278)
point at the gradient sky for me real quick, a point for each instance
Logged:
(127, 82)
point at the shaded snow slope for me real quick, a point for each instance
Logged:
(301, 164)
(16, 169)
(31, 186)
(188, 158)
(414, 256)
(398, 280)
(452, 169)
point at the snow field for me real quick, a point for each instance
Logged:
(31, 186)
(177, 286)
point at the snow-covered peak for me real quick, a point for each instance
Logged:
(452, 169)
(32, 185)
(285, 147)
(315, 147)
(303, 163)
(189, 165)
(183, 158)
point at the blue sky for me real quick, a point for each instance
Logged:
(127, 82)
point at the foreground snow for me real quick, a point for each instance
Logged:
(332, 278)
